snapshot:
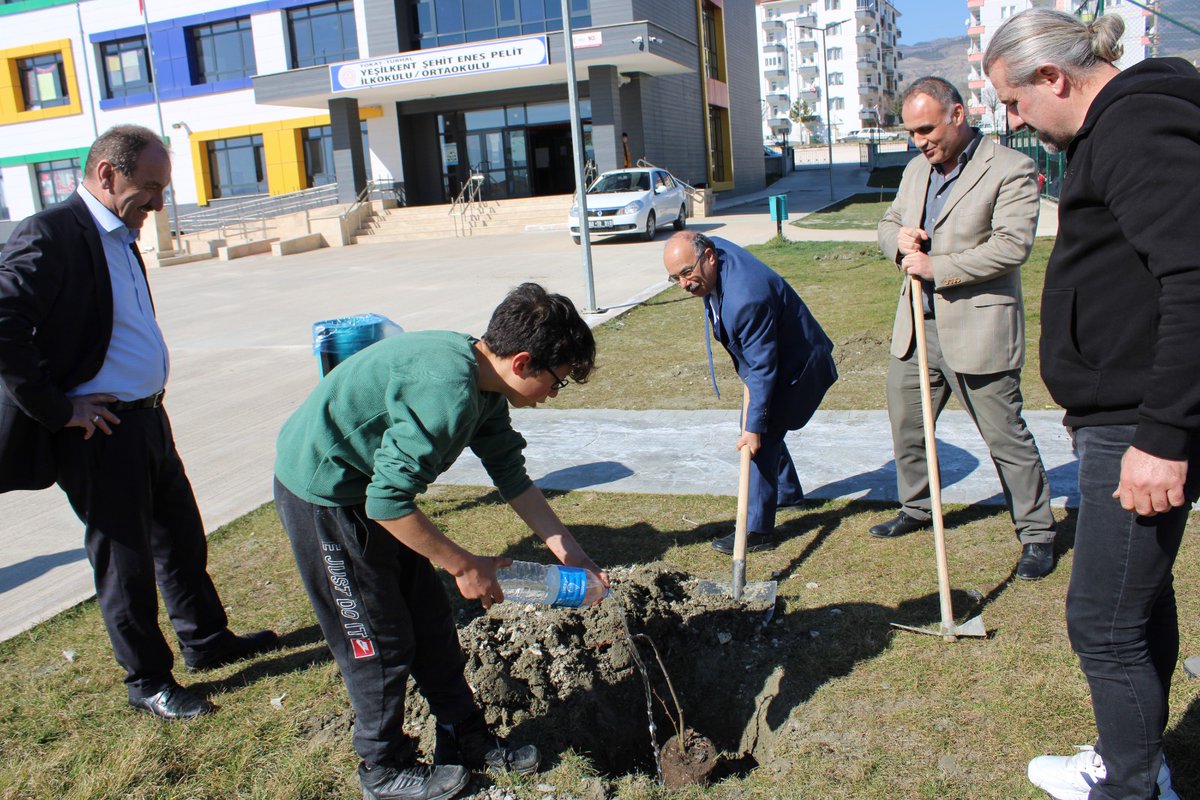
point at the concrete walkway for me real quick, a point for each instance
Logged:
(239, 334)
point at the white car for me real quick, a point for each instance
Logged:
(870, 135)
(631, 201)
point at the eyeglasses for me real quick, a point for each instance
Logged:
(559, 383)
(676, 277)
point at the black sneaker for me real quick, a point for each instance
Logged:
(416, 782)
(471, 744)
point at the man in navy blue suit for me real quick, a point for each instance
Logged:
(781, 354)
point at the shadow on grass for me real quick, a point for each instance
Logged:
(1182, 747)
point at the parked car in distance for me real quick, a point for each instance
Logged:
(871, 135)
(631, 201)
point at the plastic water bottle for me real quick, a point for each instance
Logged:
(550, 584)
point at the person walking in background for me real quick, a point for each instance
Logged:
(963, 222)
(781, 354)
(83, 366)
(351, 461)
(1120, 352)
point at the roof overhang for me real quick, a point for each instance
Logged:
(633, 47)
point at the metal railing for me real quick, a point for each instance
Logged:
(246, 217)
(689, 190)
(468, 206)
(1050, 167)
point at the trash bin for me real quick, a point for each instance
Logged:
(335, 340)
(778, 205)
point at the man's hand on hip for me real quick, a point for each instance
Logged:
(89, 412)
(1150, 485)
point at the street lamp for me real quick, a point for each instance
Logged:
(825, 77)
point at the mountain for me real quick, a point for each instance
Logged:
(1175, 40)
(944, 58)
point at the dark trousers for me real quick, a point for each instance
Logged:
(1121, 615)
(384, 614)
(773, 482)
(142, 527)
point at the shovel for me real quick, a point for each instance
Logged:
(754, 595)
(948, 630)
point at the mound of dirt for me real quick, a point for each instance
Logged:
(570, 678)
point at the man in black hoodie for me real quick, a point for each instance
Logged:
(1120, 351)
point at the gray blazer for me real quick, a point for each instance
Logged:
(980, 241)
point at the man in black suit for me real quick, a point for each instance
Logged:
(82, 366)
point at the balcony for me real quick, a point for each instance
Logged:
(808, 96)
(775, 72)
(865, 11)
(866, 38)
(779, 97)
(975, 57)
(865, 89)
(806, 45)
(774, 48)
(975, 30)
(809, 20)
(773, 25)
(976, 83)
(779, 123)
(808, 71)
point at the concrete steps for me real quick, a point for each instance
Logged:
(494, 217)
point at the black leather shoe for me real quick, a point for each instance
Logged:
(174, 702)
(417, 782)
(1037, 560)
(755, 541)
(232, 648)
(472, 745)
(903, 524)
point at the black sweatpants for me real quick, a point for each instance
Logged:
(385, 615)
(142, 527)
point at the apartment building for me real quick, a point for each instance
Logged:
(827, 57)
(984, 17)
(273, 96)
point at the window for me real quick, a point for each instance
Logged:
(236, 166)
(444, 22)
(322, 34)
(57, 179)
(318, 154)
(834, 30)
(833, 5)
(712, 47)
(43, 81)
(126, 67)
(716, 122)
(222, 51)
(833, 54)
(836, 79)
(837, 104)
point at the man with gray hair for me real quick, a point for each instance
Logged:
(963, 222)
(83, 364)
(1120, 352)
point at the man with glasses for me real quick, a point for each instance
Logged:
(781, 354)
(352, 460)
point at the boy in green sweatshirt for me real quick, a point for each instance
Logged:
(351, 462)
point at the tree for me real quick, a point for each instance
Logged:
(801, 112)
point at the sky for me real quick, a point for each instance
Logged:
(924, 20)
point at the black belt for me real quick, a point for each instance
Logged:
(928, 315)
(153, 401)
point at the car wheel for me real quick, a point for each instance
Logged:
(576, 240)
(681, 220)
(651, 227)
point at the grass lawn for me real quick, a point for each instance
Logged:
(859, 212)
(859, 711)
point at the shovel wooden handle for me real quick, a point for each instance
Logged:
(931, 461)
(739, 530)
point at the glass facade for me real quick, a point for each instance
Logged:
(57, 179)
(446, 22)
(43, 83)
(222, 51)
(520, 150)
(318, 154)
(322, 34)
(236, 166)
(126, 67)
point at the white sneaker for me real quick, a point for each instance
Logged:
(1072, 777)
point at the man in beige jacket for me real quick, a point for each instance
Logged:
(963, 222)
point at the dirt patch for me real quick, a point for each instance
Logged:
(569, 678)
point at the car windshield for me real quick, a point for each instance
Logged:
(621, 182)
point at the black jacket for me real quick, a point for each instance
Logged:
(56, 316)
(1121, 305)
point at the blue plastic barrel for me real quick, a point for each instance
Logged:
(335, 340)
